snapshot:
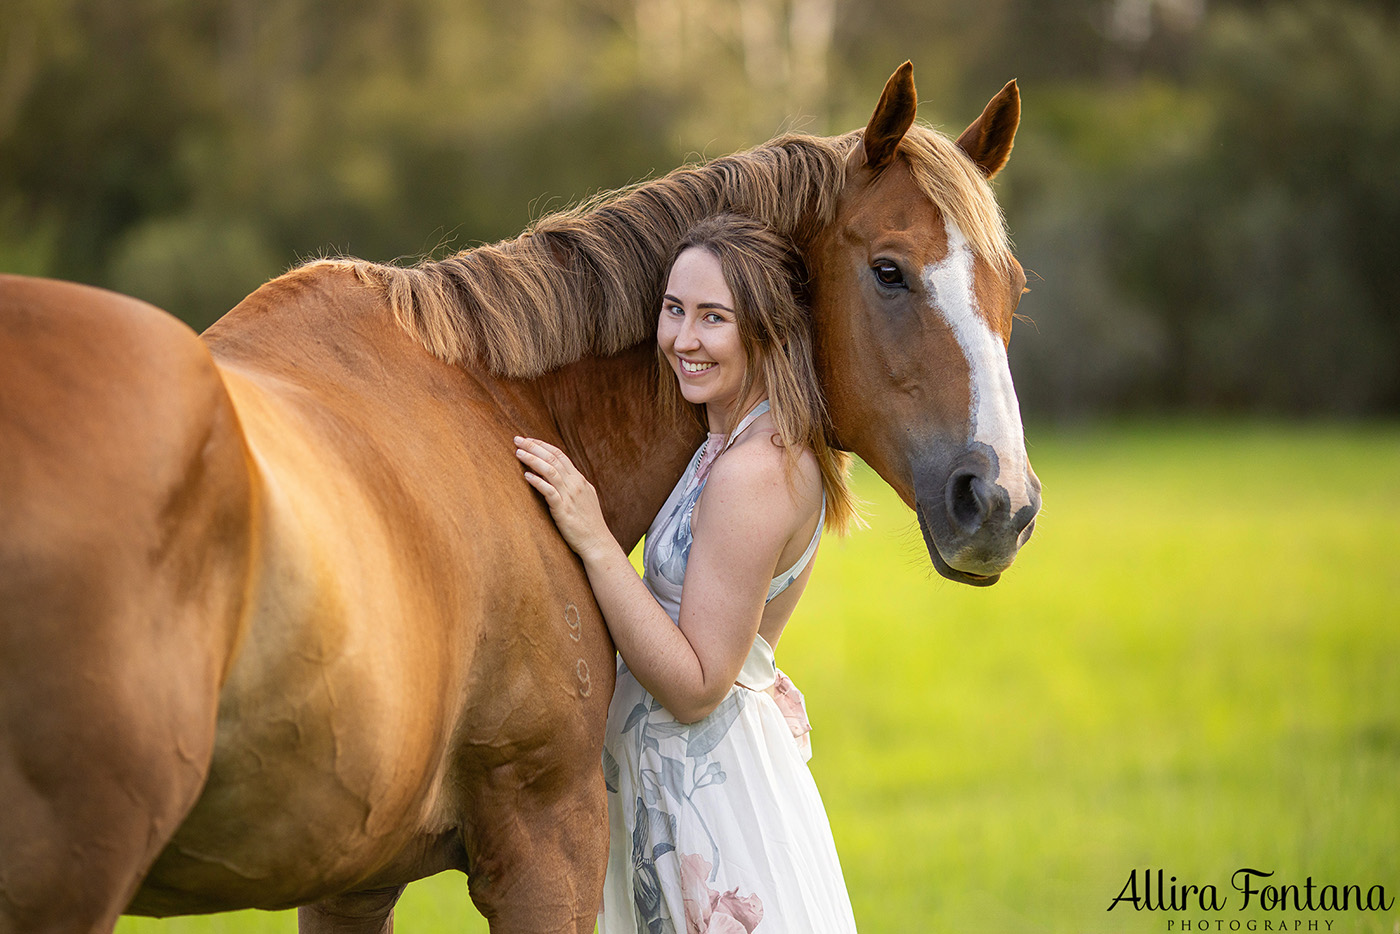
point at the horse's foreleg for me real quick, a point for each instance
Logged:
(538, 864)
(370, 912)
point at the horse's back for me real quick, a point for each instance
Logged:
(124, 533)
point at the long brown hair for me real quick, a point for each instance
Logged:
(768, 280)
(581, 282)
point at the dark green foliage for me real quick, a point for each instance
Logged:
(1227, 235)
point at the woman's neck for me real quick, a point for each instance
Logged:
(725, 420)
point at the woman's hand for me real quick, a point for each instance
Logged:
(572, 500)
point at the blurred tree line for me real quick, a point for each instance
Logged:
(1206, 193)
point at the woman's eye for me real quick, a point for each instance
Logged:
(888, 274)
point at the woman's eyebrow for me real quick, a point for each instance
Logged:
(668, 297)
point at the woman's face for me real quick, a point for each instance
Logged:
(699, 334)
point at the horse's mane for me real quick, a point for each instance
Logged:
(586, 280)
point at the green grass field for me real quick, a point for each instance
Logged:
(1194, 667)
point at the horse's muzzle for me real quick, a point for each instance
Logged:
(969, 523)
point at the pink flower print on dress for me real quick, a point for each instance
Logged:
(710, 912)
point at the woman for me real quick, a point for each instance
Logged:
(715, 822)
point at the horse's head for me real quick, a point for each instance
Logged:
(914, 288)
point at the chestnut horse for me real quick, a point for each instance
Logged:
(281, 623)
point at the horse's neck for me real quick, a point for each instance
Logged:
(606, 411)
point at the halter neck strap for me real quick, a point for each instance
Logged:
(717, 443)
(745, 422)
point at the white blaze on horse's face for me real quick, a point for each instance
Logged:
(994, 415)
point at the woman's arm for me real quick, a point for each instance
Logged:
(748, 515)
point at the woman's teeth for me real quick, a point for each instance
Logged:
(695, 367)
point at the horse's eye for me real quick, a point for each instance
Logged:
(888, 274)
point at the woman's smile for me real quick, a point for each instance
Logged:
(695, 367)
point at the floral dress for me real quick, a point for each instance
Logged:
(715, 826)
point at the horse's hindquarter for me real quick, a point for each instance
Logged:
(420, 637)
(124, 526)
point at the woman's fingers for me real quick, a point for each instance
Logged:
(545, 459)
(551, 495)
(535, 462)
(571, 499)
(541, 448)
(533, 452)
(550, 471)
(557, 503)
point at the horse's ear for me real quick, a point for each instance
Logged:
(892, 117)
(990, 137)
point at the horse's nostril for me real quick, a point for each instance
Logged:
(967, 501)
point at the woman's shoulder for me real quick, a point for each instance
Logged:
(759, 465)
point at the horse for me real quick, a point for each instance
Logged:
(281, 624)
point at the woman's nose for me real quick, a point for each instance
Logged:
(687, 338)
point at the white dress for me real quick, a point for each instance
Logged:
(715, 826)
